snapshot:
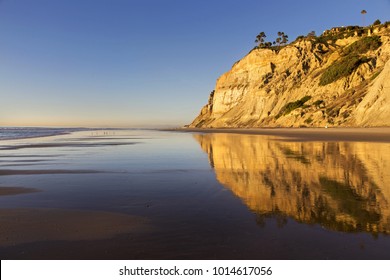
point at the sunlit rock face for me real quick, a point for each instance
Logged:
(374, 110)
(257, 89)
(341, 186)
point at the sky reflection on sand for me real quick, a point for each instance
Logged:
(206, 196)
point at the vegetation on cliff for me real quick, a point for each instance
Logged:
(280, 41)
(350, 60)
(291, 106)
(333, 79)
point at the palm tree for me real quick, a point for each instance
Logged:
(363, 12)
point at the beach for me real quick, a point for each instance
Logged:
(202, 194)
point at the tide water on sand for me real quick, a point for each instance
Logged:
(133, 194)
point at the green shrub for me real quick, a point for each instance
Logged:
(331, 37)
(363, 45)
(353, 27)
(345, 114)
(341, 68)
(323, 40)
(318, 103)
(351, 59)
(376, 74)
(300, 37)
(308, 121)
(291, 106)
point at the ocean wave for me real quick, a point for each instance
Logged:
(7, 133)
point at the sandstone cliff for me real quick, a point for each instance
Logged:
(341, 79)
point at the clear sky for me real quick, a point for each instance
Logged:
(139, 62)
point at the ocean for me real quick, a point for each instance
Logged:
(31, 132)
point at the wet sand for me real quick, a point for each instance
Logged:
(197, 195)
(377, 134)
(65, 144)
(16, 190)
(20, 226)
(28, 226)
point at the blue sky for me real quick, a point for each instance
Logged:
(139, 62)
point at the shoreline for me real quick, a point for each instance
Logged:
(345, 134)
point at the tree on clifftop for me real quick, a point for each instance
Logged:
(260, 39)
(282, 39)
(363, 12)
(311, 34)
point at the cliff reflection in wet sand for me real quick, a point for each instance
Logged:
(343, 186)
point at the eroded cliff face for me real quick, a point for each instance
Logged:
(342, 186)
(259, 88)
